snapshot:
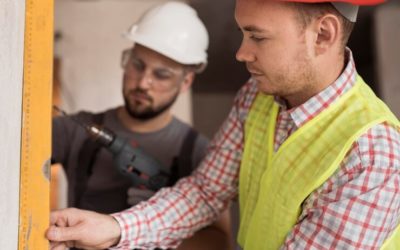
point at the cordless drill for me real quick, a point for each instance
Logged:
(130, 160)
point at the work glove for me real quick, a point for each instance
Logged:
(136, 195)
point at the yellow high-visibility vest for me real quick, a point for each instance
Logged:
(273, 185)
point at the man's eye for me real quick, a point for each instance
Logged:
(257, 39)
(162, 74)
(137, 64)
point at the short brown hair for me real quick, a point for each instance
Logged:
(308, 11)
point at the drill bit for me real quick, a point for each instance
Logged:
(102, 135)
(56, 108)
(62, 112)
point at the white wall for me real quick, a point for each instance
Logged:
(12, 18)
(90, 50)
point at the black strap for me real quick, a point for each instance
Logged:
(185, 162)
(182, 165)
(86, 159)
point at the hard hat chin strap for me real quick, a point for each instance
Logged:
(349, 11)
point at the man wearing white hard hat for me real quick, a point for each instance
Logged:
(169, 47)
(311, 151)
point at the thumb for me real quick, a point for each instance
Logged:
(60, 234)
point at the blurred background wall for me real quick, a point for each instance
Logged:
(89, 44)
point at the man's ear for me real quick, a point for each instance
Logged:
(328, 30)
(187, 81)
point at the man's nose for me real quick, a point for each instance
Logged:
(145, 80)
(244, 54)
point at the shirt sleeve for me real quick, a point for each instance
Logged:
(358, 207)
(194, 202)
(67, 136)
(61, 139)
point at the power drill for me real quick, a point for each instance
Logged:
(130, 160)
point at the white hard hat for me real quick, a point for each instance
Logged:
(174, 30)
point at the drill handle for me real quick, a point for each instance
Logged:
(143, 169)
(154, 183)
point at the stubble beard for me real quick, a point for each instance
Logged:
(148, 112)
(302, 77)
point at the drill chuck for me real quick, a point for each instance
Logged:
(102, 135)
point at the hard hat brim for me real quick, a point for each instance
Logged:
(347, 8)
(201, 61)
(354, 2)
(159, 47)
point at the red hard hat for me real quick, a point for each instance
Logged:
(354, 2)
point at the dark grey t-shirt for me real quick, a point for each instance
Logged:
(106, 190)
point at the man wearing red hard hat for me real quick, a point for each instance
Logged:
(312, 153)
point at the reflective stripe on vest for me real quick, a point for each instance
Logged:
(273, 185)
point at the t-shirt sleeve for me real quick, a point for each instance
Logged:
(65, 133)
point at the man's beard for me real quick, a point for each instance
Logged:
(149, 112)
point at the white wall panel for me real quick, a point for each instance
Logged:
(12, 18)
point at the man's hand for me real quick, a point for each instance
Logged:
(72, 227)
(136, 195)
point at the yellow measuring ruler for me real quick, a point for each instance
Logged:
(36, 125)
